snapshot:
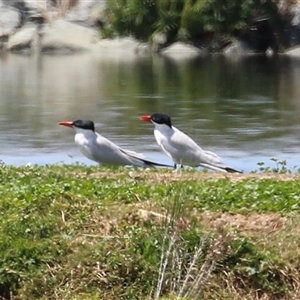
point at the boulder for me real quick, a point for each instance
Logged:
(237, 48)
(39, 5)
(27, 9)
(295, 51)
(293, 31)
(158, 42)
(181, 50)
(22, 40)
(87, 13)
(122, 45)
(9, 20)
(65, 37)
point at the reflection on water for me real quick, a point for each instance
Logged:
(245, 110)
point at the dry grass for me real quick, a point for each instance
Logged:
(170, 176)
(272, 231)
(109, 222)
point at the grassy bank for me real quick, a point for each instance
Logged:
(75, 232)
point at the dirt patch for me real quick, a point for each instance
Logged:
(153, 176)
(253, 222)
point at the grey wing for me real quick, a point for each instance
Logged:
(184, 150)
(133, 154)
(193, 154)
(193, 151)
(180, 147)
(214, 162)
(172, 148)
(106, 152)
(210, 158)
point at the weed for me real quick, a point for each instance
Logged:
(280, 167)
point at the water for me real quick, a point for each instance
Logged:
(246, 110)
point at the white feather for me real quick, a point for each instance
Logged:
(98, 148)
(183, 150)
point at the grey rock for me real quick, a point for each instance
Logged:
(181, 50)
(295, 52)
(9, 20)
(296, 15)
(23, 39)
(86, 13)
(158, 41)
(38, 5)
(65, 37)
(143, 49)
(120, 45)
(236, 48)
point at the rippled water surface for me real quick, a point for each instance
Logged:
(246, 110)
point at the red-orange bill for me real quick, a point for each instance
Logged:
(146, 118)
(66, 123)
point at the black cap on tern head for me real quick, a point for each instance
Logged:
(84, 124)
(161, 119)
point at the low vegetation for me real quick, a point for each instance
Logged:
(209, 23)
(77, 232)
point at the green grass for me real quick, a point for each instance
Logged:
(77, 232)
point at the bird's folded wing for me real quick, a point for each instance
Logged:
(214, 162)
(211, 157)
(133, 154)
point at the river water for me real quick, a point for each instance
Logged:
(244, 109)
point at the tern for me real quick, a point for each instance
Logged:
(98, 148)
(181, 148)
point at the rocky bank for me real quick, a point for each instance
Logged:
(60, 27)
